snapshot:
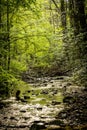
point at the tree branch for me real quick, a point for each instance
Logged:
(55, 5)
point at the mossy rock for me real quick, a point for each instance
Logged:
(56, 122)
(69, 99)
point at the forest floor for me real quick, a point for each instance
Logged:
(49, 103)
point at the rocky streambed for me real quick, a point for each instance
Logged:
(46, 104)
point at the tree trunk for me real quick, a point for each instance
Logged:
(63, 15)
(8, 35)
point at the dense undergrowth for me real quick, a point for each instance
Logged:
(9, 83)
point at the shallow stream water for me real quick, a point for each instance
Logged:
(42, 101)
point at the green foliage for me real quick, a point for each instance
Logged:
(76, 61)
(17, 67)
(33, 41)
(7, 83)
(80, 76)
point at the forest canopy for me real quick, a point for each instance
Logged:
(48, 37)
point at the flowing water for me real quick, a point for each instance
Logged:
(40, 103)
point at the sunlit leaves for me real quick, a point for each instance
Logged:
(32, 37)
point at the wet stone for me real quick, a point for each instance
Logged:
(28, 91)
(27, 118)
(55, 127)
(37, 126)
(12, 118)
(39, 108)
(51, 81)
(23, 111)
(59, 78)
(23, 100)
(68, 99)
(44, 92)
(56, 122)
(55, 103)
(5, 117)
(26, 97)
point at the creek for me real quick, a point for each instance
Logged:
(40, 103)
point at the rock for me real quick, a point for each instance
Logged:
(12, 118)
(85, 89)
(45, 84)
(39, 108)
(45, 81)
(38, 126)
(55, 102)
(5, 117)
(82, 127)
(60, 78)
(2, 104)
(29, 91)
(56, 122)
(26, 118)
(64, 88)
(69, 99)
(23, 111)
(22, 100)
(26, 97)
(62, 115)
(68, 84)
(53, 85)
(44, 92)
(18, 95)
(51, 81)
(55, 127)
(55, 91)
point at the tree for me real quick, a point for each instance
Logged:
(8, 9)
